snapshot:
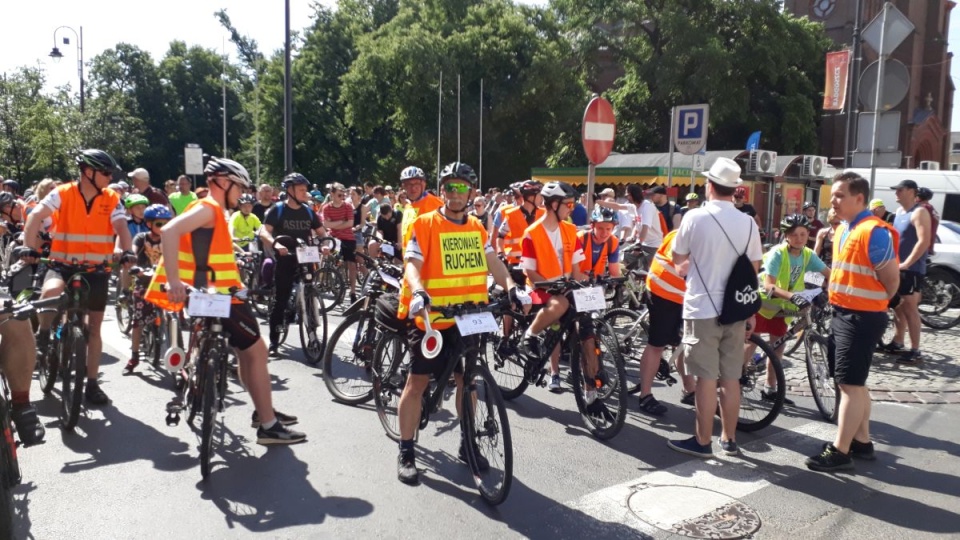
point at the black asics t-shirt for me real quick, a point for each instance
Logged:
(295, 223)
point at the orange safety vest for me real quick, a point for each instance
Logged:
(517, 223)
(586, 240)
(548, 265)
(220, 260)
(454, 267)
(84, 235)
(853, 281)
(412, 211)
(663, 279)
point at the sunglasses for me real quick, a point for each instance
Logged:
(569, 205)
(456, 187)
(158, 223)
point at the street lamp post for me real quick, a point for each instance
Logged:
(56, 55)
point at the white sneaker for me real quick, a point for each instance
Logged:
(590, 395)
(554, 385)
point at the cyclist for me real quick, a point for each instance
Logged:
(146, 246)
(10, 213)
(18, 358)
(86, 217)
(448, 258)
(136, 205)
(340, 219)
(289, 218)
(244, 224)
(600, 248)
(514, 223)
(551, 250)
(414, 183)
(199, 239)
(780, 280)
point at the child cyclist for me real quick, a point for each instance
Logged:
(146, 246)
(244, 224)
(781, 279)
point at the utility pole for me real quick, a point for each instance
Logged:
(287, 96)
(851, 132)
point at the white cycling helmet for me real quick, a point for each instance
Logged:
(411, 173)
(558, 190)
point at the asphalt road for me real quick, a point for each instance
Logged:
(125, 474)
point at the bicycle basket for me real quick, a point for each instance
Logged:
(385, 313)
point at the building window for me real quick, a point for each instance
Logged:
(955, 149)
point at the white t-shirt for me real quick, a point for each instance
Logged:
(627, 219)
(650, 216)
(700, 236)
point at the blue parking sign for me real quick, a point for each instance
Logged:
(690, 128)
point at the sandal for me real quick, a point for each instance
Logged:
(650, 405)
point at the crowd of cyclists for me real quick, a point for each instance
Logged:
(451, 239)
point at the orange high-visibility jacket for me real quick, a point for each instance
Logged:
(663, 279)
(853, 281)
(548, 265)
(83, 234)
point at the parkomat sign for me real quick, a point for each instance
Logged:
(835, 91)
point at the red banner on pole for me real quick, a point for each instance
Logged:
(835, 91)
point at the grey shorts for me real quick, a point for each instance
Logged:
(713, 351)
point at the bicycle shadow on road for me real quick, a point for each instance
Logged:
(269, 492)
(21, 510)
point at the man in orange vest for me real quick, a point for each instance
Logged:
(865, 275)
(601, 249)
(201, 233)
(414, 183)
(515, 221)
(87, 215)
(448, 258)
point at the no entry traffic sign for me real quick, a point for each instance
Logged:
(599, 128)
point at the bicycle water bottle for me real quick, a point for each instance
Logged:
(757, 359)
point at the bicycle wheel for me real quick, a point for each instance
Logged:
(48, 363)
(157, 329)
(631, 328)
(312, 323)
(348, 359)
(124, 312)
(208, 406)
(73, 374)
(329, 283)
(9, 469)
(388, 381)
(487, 433)
(604, 417)
(758, 409)
(508, 369)
(822, 384)
(939, 301)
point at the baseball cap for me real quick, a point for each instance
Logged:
(909, 184)
(139, 172)
(662, 190)
(876, 203)
(608, 192)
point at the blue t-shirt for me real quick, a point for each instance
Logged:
(597, 249)
(579, 215)
(881, 244)
(772, 264)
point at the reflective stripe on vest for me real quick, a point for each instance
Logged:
(83, 236)
(853, 280)
(771, 307)
(548, 266)
(663, 279)
(221, 260)
(454, 269)
(517, 225)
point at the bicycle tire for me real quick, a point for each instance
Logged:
(510, 372)
(48, 364)
(208, 402)
(751, 392)
(388, 381)
(823, 386)
(487, 430)
(331, 286)
(124, 314)
(603, 423)
(351, 349)
(312, 325)
(74, 374)
(631, 339)
(10, 471)
(939, 301)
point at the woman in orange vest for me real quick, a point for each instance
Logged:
(197, 248)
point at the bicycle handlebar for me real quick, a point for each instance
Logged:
(499, 305)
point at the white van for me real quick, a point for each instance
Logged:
(944, 184)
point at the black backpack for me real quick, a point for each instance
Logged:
(741, 298)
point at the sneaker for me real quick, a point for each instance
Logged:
(729, 448)
(770, 394)
(530, 346)
(859, 450)
(279, 434)
(131, 365)
(692, 447)
(285, 419)
(482, 462)
(910, 358)
(274, 351)
(891, 348)
(407, 469)
(650, 405)
(554, 385)
(688, 398)
(590, 395)
(829, 460)
(96, 395)
(28, 424)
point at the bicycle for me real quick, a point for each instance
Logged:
(305, 306)
(202, 383)
(939, 299)
(348, 357)
(484, 419)
(156, 334)
(330, 281)
(249, 264)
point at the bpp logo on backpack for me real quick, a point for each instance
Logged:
(747, 296)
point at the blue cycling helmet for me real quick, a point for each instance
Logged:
(604, 215)
(157, 211)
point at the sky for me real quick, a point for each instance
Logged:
(27, 29)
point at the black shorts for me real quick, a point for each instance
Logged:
(853, 337)
(666, 322)
(99, 288)
(243, 327)
(909, 282)
(452, 345)
(348, 250)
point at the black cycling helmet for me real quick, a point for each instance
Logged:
(557, 191)
(792, 221)
(6, 199)
(529, 187)
(924, 194)
(12, 183)
(809, 204)
(234, 171)
(97, 160)
(294, 179)
(460, 171)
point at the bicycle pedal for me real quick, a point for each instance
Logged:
(173, 419)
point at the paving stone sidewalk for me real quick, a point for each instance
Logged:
(936, 380)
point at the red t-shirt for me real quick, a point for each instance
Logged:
(344, 213)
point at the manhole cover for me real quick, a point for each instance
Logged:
(694, 512)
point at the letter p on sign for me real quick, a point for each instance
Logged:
(690, 128)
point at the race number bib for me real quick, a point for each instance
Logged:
(209, 305)
(476, 323)
(308, 254)
(814, 278)
(589, 299)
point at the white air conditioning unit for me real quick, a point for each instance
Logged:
(930, 165)
(955, 166)
(762, 162)
(813, 166)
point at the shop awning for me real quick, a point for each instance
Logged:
(616, 176)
